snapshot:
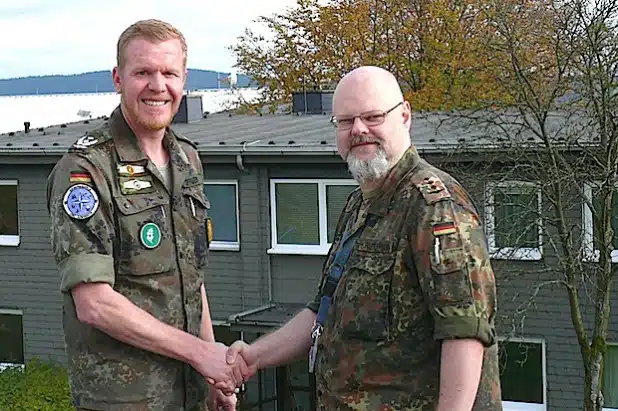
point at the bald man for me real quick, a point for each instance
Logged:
(403, 318)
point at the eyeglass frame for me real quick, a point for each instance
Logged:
(333, 119)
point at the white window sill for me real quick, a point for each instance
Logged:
(224, 246)
(9, 240)
(299, 249)
(522, 406)
(593, 257)
(7, 365)
(510, 253)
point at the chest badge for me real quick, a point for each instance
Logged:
(80, 201)
(150, 235)
(130, 170)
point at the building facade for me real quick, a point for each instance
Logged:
(276, 187)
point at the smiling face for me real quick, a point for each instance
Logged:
(373, 143)
(151, 81)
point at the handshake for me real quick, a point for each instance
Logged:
(226, 368)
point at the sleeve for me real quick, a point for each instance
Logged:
(455, 272)
(82, 229)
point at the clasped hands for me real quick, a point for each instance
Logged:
(226, 368)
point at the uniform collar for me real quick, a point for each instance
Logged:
(125, 140)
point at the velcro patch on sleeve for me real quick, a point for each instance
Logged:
(80, 177)
(445, 228)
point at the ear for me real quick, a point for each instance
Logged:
(406, 114)
(116, 79)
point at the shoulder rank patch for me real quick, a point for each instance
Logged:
(90, 139)
(85, 141)
(432, 189)
(80, 201)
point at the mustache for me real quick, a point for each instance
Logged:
(363, 140)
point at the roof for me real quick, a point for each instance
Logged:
(306, 134)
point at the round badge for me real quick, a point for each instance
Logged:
(130, 169)
(80, 201)
(150, 235)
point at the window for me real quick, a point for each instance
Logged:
(223, 197)
(304, 214)
(522, 375)
(513, 222)
(9, 216)
(610, 378)
(12, 337)
(591, 250)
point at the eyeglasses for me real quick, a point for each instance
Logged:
(369, 118)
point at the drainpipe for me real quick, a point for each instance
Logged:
(239, 162)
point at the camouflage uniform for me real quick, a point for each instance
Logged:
(398, 299)
(159, 269)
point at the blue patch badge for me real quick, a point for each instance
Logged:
(80, 201)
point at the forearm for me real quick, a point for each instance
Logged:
(287, 343)
(460, 373)
(115, 315)
(207, 333)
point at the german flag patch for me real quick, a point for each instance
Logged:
(80, 177)
(443, 228)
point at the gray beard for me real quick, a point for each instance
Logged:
(366, 171)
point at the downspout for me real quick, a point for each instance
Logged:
(239, 162)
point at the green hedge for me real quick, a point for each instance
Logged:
(39, 387)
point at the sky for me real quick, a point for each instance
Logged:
(39, 37)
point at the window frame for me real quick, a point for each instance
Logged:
(304, 249)
(11, 240)
(227, 245)
(613, 344)
(525, 406)
(590, 254)
(6, 365)
(511, 253)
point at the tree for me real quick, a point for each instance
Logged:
(557, 63)
(434, 47)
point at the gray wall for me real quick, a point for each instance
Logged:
(28, 277)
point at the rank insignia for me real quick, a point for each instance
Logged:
(80, 201)
(85, 141)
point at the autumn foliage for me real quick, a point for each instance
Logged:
(442, 51)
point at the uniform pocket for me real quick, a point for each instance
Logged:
(198, 223)
(145, 238)
(364, 311)
(449, 268)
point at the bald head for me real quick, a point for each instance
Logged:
(375, 85)
(373, 122)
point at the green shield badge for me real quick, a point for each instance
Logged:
(150, 235)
